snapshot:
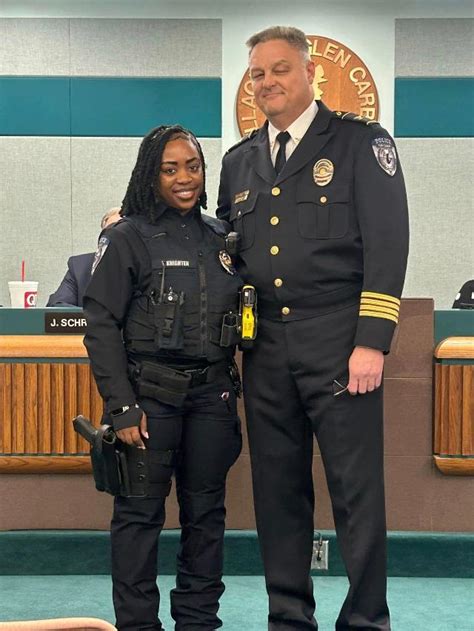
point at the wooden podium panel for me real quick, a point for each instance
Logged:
(39, 399)
(454, 407)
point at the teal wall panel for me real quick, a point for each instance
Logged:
(82, 106)
(34, 106)
(434, 107)
(131, 107)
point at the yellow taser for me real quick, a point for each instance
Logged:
(248, 313)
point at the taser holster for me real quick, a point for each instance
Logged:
(118, 469)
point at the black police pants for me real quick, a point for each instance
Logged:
(289, 393)
(206, 434)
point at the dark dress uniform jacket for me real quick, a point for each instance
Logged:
(320, 248)
(74, 284)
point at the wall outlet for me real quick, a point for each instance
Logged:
(320, 559)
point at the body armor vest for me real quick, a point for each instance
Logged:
(179, 315)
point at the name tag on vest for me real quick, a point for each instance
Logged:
(175, 263)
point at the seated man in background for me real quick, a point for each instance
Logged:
(74, 284)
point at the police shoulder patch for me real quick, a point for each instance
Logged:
(101, 248)
(243, 140)
(385, 154)
(225, 260)
(355, 118)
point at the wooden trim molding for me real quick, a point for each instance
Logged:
(455, 348)
(455, 466)
(45, 464)
(42, 346)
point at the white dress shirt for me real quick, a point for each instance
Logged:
(297, 130)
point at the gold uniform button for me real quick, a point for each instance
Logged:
(278, 282)
(275, 221)
(285, 310)
(323, 199)
(275, 191)
(274, 250)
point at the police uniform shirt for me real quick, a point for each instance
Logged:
(297, 130)
(124, 267)
(330, 230)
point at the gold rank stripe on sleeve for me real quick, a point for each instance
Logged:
(375, 314)
(375, 305)
(379, 309)
(376, 296)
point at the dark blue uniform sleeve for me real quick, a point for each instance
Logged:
(381, 206)
(105, 306)
(223, 201)
(67, 292)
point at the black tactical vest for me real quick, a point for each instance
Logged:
(179, 316)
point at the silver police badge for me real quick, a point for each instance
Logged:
(323, 172)
(101, 248)
(226, 262)
(385, 153)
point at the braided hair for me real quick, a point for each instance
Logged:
(143, 195)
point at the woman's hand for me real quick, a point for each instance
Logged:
(133, 435)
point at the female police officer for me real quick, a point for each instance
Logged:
(161, 288)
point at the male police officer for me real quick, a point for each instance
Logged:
(319, 200)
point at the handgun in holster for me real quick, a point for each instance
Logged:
(248, 316)
(118, 469)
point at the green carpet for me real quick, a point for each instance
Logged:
(417, 604)
(415, 554)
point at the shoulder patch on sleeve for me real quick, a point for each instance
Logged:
(355, 118)
(385, 154)
(101, 248)
(244, 139)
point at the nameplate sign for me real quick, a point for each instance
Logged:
(64, 323)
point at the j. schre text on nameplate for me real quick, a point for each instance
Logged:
(64, 323)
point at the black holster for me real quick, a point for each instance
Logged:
(121, 469)
(230, 335)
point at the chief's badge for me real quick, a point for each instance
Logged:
(101, 248)
(386, 155)
(241, 197)
(226, 262)
(323, 172)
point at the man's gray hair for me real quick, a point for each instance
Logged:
(108, 214)
(290, 34)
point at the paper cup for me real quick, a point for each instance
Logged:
(23, 294)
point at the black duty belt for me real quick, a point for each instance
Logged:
(309, 306)
(203, 375)
(170, 384)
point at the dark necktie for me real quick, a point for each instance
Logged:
(283, 137)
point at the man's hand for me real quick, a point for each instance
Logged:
(133, 435)
(365, 370)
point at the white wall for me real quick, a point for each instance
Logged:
(367, 27)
